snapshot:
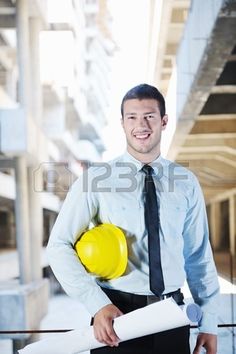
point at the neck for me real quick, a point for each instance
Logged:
(144, 158)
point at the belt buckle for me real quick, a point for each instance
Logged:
(151, 299)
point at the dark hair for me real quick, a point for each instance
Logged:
(145, 91)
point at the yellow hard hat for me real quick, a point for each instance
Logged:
(103, 251)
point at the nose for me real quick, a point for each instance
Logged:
(142, 122)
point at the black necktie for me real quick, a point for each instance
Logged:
(152, 224)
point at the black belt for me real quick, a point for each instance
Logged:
(144, 299)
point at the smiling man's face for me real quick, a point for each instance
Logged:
(143, 125)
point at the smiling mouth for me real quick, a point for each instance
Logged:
(142, 136)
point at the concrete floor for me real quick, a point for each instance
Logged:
(65, 313)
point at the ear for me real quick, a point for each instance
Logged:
(164, 121)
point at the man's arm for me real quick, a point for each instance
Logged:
(103, 325)
(78, 210)
(200, 268)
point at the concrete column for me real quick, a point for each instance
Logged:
(215, 225)
(232, 224)
(22, 219)
(36, 222)
(22, 21)
(35, 210)
(21, 202)
(35, 83)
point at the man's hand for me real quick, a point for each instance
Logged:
(103, 325)
(208, 341)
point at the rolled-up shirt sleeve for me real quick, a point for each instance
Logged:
(199, 263)
(76, 214)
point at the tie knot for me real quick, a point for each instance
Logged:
(147, 169)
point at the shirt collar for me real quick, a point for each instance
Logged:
(155, 164)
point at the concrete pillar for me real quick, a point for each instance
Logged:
(22, 21)
(215, 225)
(232, 224)
(35, 210)
(21, 202)
(22, 220)
(35, 83)
(36, 222)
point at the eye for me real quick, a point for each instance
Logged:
(150, 116)
(131, 117)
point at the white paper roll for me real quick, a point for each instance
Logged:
(157, 317)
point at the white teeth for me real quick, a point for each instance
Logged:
(141, 136)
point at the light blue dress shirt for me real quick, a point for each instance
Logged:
(113, 193)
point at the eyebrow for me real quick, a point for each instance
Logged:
(150, 113)
(133, 114)
(130, 114)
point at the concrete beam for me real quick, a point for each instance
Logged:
(219, 126)
(227, 139)
(189, 157)
(209, 194)
(209, 139)
(212, 117)
(203, 149)
(223, 89)
(215, 176)
(208, 189)
(218, 184)
(216, 167)
(224, 195)
(181, 4)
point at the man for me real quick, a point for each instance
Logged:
(116, 194)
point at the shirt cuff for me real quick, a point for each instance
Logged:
(96, 300)
(208, 323)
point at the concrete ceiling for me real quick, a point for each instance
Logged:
(169, 26)
(210, 146)
(205, 136)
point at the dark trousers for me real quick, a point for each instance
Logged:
(174, 341)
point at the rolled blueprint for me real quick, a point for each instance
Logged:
(157, 317)
(193, 312)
